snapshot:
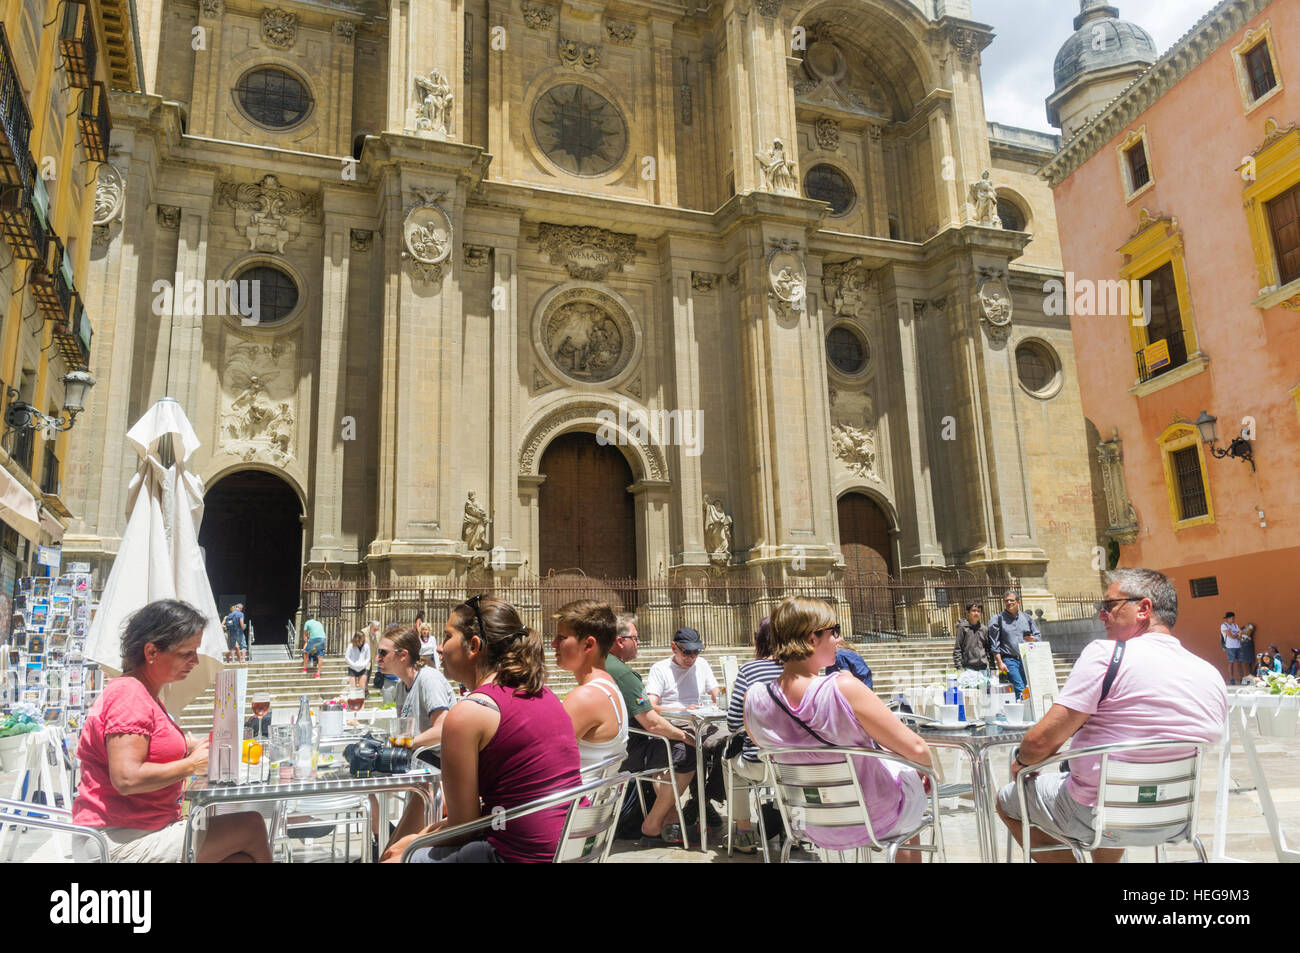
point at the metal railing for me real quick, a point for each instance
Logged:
(16, 163)
(724, 611)
(77, 43)
(21, 223)
(95, 122)
(1178, 353)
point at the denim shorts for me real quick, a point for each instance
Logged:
(1238, 655)
(315, 648)
(235, 639)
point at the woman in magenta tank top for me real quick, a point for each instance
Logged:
(509, 742)
(844, 713)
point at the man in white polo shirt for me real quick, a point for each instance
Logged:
(685, 680)
(1158, 690)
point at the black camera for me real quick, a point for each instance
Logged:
(370, 756)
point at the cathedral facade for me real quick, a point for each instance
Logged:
(746, 288)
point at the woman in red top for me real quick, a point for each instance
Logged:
(134, 757)
(508, 742)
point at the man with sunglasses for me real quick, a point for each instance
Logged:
(1153, 689)
(1007, 631)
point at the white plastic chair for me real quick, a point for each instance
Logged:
(730, 669)
(829, 795)
(589, 826)
(1132, 796)
(16, 816)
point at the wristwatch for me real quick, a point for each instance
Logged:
(1018, 761)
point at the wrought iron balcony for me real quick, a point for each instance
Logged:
(17, 167)
(73, 337)
(77, 43)
(95, 122)
(50, 281)
(1177, 344)
(21, 224)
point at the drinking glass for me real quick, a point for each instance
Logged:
(403, 732)
(261, 703)
(356, 699)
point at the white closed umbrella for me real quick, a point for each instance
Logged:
(159, 557)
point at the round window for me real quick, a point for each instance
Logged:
(1037, 368)
(846, 351)
(273, 97)
(828, 184)
(579, 130)
(274, 293)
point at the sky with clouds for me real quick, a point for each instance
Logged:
(1017, 68)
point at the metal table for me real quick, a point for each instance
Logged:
(1241, 706)
(203, 796)
(699, 719)
(977, 742)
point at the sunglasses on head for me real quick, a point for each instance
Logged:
(478, 617)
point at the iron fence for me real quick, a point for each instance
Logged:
(724, 611)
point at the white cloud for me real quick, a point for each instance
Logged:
(1017, 68)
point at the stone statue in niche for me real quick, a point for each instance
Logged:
(434, 112)
(778, 171)
(717, 532)
(984, 195)
(584, 341)
(474, 529)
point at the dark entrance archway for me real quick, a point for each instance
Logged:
(587, 518)
(252, 541)
(868, 561)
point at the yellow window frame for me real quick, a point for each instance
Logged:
(1271, 170)
(1295, 396)
(1179, 437)
(1252, 39)
(1134, 137)
(1156, 243)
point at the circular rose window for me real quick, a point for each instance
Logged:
(579, 130)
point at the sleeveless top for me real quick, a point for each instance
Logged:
(532, 754)
(826, 712)
(591, 753)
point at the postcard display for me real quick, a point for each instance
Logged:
(45, 663)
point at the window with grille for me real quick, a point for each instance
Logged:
(1205, 586)
(828, 184)
(1012, 218)
(277, 293)
(1259, 67)
(273, 97)
(1190, 483)
(1036, 368)
(847, 352)
(1165, 317)
(1284, 222)
(1139, 173)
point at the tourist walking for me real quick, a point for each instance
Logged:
(1007, 631)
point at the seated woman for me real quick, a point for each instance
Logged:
(358, 660)
(585, 632)
(428, 698)
(134, 758)
(512, 745)
(759, 671)
(841, 712)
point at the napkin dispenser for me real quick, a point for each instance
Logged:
(223, 753)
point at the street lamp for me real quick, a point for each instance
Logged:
(1239, 448)
(22, 416)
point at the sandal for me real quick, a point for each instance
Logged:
(746, 842)
(671, 834)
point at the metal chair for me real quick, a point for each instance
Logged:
(589, 826)
(314, 817)
(19, 815)
(755, 790)
(603, 770)
(1132, 796)
(827, 794)
(651, 777)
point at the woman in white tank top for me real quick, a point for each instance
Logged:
(586, 631)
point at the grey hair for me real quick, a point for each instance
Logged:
(1012, 593)
(1148, 584)
(625, 622)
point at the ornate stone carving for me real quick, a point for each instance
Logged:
(477, 257)
(427, 235)
(467, 51)
(778, 172)
(1123, 526)
(787, 276)
(733, 279)
(634, 387)
(703, 282)
(574, 53)
(620, 32)
(474, 527)
(984, 197)
(279, 28)
(110, 193)
(874, 132)
(828, 134)
(211, 9)
(268, 213)
(258, 401)
(684, 94)
(434, 100)
(717, 532)
(1146, 220)
(586, 336)
(768, 8)
(651, 457)
(847, 286)
(589, 253)
(362, 238)
(540, 381)
(995, 297)
(856, 446)
(968, 43)
(169, 216)
(538, 16)
(345, 31)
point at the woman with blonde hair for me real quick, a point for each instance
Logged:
(804, 709)
(512, 743)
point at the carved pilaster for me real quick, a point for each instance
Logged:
(1123, 524)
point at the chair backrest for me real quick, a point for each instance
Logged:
(823, 796)
(603, 770)
(730, 669)
(589, 827)
(1134, 795)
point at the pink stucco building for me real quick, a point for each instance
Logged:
(1188, 182)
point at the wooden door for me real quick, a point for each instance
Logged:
(868, 563)
(587, 517)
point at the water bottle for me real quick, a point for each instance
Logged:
(951, 695)
(303, 742)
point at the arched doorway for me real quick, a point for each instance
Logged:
(868, 562)
(252, 542)
(587, 518)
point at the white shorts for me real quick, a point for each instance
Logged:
(127, 845)
(1062, 817)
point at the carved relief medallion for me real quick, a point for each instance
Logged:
(787, 276)
(585, 336)
(427, 234)
(279, 28)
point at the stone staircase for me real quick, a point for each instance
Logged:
(897, 666)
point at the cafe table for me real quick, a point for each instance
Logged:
(204, 795)
(977, 740)
(1242, 706)
(698, 719)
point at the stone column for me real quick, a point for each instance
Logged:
(530, 486)
(185, 359)
(400, 84)
(913, 466)
(875, 163)
(653, 498)
(688, 539)
(665, 120)
(424, 37)
(208, 63)
(761, 97)
(341, 74)
(504, 88)
(506, 531)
